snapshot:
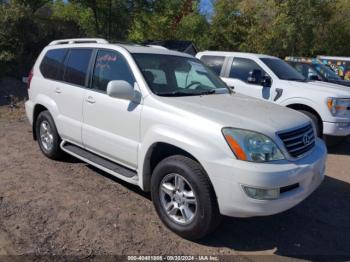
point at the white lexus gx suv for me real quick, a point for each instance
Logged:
(162, 120)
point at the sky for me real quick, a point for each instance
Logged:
(206, 6)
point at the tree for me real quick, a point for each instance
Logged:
(276, 27)
(110, 17)
(23, 34)
(333, 37)
(230, 25)
(32, 4)
(168, 20)
(75, 13)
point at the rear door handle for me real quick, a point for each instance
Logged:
(90, 100)
(58, 90)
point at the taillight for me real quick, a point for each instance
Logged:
(30, 76)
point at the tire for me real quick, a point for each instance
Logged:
(314, 119)
(205, 213)
(334, 141)
(50, 143)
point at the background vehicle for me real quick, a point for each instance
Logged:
(161, 120)
(272, 79)
(314, 70)
(187, 47)
(340, 65)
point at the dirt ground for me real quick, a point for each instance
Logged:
(70, 208)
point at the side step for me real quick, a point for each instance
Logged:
(98, 161)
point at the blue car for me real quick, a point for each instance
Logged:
(314, 70)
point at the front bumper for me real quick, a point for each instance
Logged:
(336, 129)
(229, 175)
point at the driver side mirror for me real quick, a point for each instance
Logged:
(255, 76)
(266, 81)
(120, 89)
(314, 78)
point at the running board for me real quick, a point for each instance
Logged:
(98, 161)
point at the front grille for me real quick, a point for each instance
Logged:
(299, 141)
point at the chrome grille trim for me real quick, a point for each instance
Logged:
(298, 136)
(299, 141)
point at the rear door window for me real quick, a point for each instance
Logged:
(214, 62)
(76, 66)
(52, 64)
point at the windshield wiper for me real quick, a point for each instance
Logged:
(296, 79)
(182, 93)
(176, 93)
(207, 92)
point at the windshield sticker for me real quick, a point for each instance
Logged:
(107, 58)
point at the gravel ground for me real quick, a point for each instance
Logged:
(70, 208)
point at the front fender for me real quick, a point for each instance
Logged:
(203, 149)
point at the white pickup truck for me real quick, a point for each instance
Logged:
(272, 79)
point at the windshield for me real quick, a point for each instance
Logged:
(282, 69)
(168, 75)
(326, 72)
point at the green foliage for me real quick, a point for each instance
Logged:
(23, 34)
(15, 22)
(32, 4)
(164, 20)
(109, 18)
(73, 12)
(282, 27)
(155, 21)
(276, 27)
(194, 27)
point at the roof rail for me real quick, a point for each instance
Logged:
(79, 41)
(157, 46)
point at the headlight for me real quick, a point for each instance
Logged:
(338, 106)
(251, 146)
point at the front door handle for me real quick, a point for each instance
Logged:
(58, 90)
(90, 100)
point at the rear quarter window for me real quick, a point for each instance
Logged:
(214, 62)
(51, 66)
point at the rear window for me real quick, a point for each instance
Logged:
(214, 62)
(76, 66)
(52, 64)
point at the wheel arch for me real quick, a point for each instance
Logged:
(299, 106)
(156, 153)
(38, 108)
(42, 103)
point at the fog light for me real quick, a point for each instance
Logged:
(262, 194)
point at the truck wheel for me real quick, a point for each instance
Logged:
(316, 123)
(48, 138)
(184, 198)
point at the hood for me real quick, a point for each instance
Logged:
(340, 82)
(332, 90)
(238, 111)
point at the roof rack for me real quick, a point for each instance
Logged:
(157, 46)
(79, 41)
